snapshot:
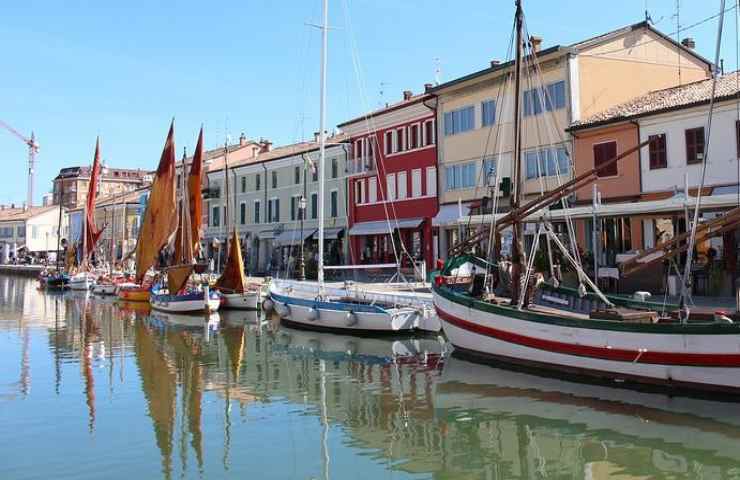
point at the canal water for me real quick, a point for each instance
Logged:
(89, 389)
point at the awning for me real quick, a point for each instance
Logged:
(677, 203)
(449, 214)
(384, 227)
(329, 233)
(291, 237)
(266, 234)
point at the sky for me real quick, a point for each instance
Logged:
(73, 70)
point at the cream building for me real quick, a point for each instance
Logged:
(475, 112)
(29, 230)
(264, 204)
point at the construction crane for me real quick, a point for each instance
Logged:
(33, 149)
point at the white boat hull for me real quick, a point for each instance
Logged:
(105, 289)
(80, 282)
(173, 304)
(694, 361)
(334, 315)
(241, 301)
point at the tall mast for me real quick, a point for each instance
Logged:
(322, 142)
(226, 191)
(516, 244)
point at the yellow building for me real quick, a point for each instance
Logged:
(566, 83)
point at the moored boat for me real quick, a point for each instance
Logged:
(191, 301)
(133, 293)
(81, 281)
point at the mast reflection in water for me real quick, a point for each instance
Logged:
(97, 390)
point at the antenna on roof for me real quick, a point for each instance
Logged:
(437, 71)
(648, 18)
(382, 92)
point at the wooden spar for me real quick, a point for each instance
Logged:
(517, 248)
(678, 244)
(548, 198)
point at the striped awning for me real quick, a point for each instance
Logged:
(383, 226)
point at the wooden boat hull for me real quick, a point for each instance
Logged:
(241, 301)
(692, 357)
(134, 294)
(338, 316)
(57, 282)
(188, 303)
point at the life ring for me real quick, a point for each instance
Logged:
(351, 319)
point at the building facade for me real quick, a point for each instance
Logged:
(475, 113)
(393, 183)
(656, 179)
(264, 206)
(72, 183)
(32, 231)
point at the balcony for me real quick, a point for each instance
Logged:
(361, 165)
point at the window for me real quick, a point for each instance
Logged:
(293, 207)
(314, 172)
(314, 205)
(256, 211)
(21, 231)
(216, 217)
(274, 179)
(276, 210)
(431, 181)
(334, 203)
(603, 152)
(358, 192)
(553, 96)
(370, 151)
(388, 143)
(414, 137)
(546, 162)
(257, 181)
(297, 175)
(460, 176)
(390, 182)
(488, 113)
(737, 136)
(429, 132)
(489, 170)
(243, 213)
(695, 145)
(269, 210)
(402, 185)
(400, 140)
(358, 148)
(416, 182)
(334, 168)
(372, 189)
(458, 121)
(657, 149)
(244, 184)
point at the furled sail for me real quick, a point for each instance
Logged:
(195, 179)
(92, 233)
(159, 223)
(233, 279)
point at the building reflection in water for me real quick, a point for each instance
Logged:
(402, 404)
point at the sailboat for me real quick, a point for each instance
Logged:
(232, 284)
(84, 279)
(157, 226)
(319, 308)
(178, 296)
(546, 327)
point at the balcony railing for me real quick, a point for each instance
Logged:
(360, 165)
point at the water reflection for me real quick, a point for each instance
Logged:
(236, 394)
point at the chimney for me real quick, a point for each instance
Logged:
(265, 146)
(242, 140)
(428, 86)
(688, 42)
(536, 43)
(495, 63)
(316, 137)
(407, 94)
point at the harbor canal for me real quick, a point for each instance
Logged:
(93, 389)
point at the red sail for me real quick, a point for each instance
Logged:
(92, 233)
(195, 179)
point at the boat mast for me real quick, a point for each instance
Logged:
(516, 245)
(59, 221)
(226, 191)
(322, 142)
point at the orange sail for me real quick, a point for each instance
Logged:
(92, 233)
(195, 179)
(160, 222)
(233, 279)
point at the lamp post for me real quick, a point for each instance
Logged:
(301, 258)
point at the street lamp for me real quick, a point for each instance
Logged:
(301, 259)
